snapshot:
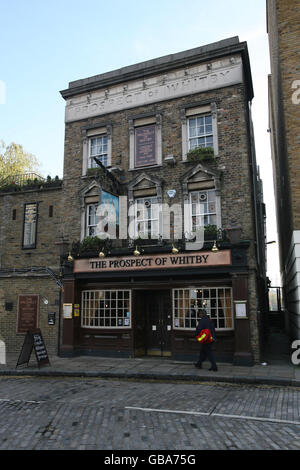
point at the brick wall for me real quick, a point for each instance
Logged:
(12, 256)
(233, 158)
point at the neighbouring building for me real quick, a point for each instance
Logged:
(283, 27)
(130, 138)
(30, 293)
(155, 154)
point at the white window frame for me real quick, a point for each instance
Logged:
(88, 225)
(140, 204)
(199, 213)
(90, 303)
(195, 301)
(90, 134)
(198, 111)
(206, 135)
(103, 156)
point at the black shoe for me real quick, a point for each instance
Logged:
(213, 368)
(199, 366)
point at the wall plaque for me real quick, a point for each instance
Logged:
(28, 309)
(145, 145)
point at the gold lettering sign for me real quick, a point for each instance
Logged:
(198, 259)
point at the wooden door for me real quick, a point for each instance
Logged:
(158, 316)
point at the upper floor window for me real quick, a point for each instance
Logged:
(203, 208)
(91, 220)
(147, 217)
(30, 225)
(98, 148)
(199, 128)
(97, 142)
(200, 133)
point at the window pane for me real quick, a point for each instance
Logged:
(216, 301)
(29, 228)
(98, 148)
(200, 132)
(99, 310)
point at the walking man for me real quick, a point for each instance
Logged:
(205, 323)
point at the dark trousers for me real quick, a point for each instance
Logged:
(206, 353)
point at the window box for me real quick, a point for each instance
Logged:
(201, 153)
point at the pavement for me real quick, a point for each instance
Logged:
(277, 368)
(162, 369)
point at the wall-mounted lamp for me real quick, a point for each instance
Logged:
(70, 257)
(174, 250)
(136, 252)
(215, 249)
(101, 254)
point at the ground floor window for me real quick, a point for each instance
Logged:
(217, 301)
(106, 309)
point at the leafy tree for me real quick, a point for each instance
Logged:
(14, 160)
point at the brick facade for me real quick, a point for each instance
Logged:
(284, 106)
(165, 91)
(22, 271)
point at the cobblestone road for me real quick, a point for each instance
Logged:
(74, 413)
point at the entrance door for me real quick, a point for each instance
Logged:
(158, 320)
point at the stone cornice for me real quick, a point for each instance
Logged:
(165, 64)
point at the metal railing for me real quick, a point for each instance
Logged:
(21, 179)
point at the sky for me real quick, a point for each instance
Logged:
(45, 44)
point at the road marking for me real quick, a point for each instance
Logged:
(220, 415)
(257, 418)
(167, 411)
(20, 401)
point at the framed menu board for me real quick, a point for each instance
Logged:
(28, 310)
(145, 145)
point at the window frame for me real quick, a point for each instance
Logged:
(86, 316)
(205, 135)
(147, 220)
(230, 319)
(87, 225)
(198, 110)
(32, 245)
(89, 133)
(206, 214)
(91, 161)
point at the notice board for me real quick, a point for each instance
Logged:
(145, 146)
(34, 340)
(28, 310)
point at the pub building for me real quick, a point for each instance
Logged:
(174, 132)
